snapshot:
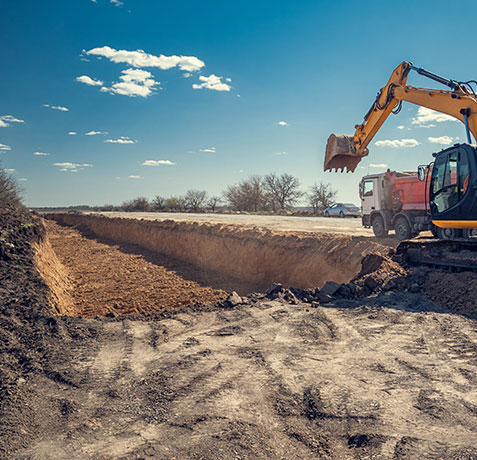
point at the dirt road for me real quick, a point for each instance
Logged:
(390, 377)
(349, 226)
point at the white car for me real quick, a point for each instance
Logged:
(343, 210)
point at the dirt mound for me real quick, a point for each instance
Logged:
(455, 291)
(31, 341)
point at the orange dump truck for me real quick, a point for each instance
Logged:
(395, 201)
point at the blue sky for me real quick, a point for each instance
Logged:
(200, 105)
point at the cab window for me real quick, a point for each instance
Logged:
(450, 179)
(368, 188)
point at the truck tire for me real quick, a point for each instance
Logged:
(342, 214)
(378, 227)
(327, 214)
(402, 229)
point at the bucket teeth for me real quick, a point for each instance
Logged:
(341, 153)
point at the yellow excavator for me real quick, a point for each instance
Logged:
(452, 189)
(451, 186)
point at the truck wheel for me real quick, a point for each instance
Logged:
(402, 229)
(342, 214)
(448, 233)
(378, 227)
(327, 214)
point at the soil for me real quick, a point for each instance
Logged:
(375, 372)
(109, 278)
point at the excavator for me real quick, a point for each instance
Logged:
(451, 178)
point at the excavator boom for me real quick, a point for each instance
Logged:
(345, 152)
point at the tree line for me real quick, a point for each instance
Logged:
(270, 193)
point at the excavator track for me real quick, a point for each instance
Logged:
(459, 254)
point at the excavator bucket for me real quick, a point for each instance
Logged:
(341, 153)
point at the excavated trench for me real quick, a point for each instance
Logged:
(97, 265)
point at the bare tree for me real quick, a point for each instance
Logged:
(321, 196)
(138, 204)
(9, 191)
(158, 203)
(213, 202)
(176, 204)
(283, 191)
(195, 199)
(248, 195)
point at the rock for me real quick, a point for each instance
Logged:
(315, 304)
(234, 299)
(414, 287)
(330, 288)
(371, 283)
(111, 314)
(21, 381)
(290, 297)
(324, 298)
(274, 290)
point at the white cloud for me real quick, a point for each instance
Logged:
(22, 179)
(41, 154)
(209, 150)
(5, 120)
(10, 170)
(139, 58)
(187, 75)
(432, 125)
(157, 163)
(121, 140)
(72, 167)
(116, 2)
(57, 107)
(425, 115)
(379, 165)
(89, 81)
(134, 82)
(281, 153)
(95, 133)
(72, 133)
(134, 177)
(282, 123)
(229, 80)
(212, 82)
(444, 140)
(400, 127)
(5, 147)
(397, 143)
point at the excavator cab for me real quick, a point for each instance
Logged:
(452, 188)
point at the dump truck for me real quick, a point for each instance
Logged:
(394, 201)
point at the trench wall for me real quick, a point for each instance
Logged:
(55, 276)
(262, 256)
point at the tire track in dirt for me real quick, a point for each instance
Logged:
(270, 381)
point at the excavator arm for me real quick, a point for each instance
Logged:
(344, 151)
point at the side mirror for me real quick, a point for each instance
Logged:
(421, 172)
